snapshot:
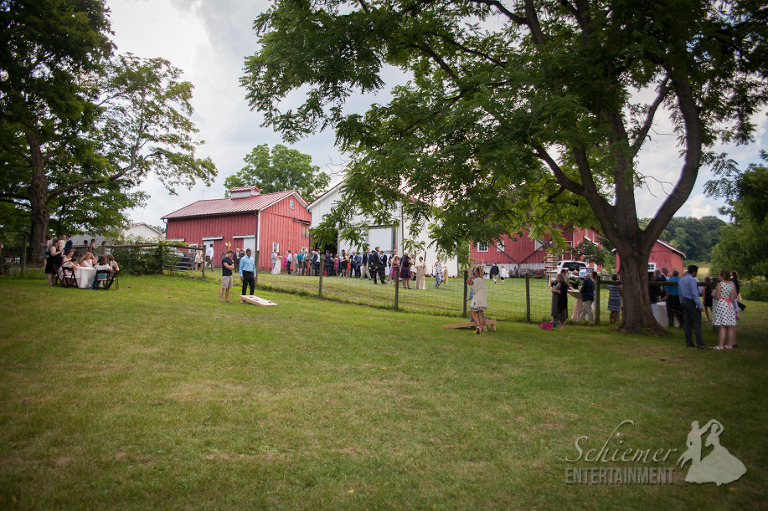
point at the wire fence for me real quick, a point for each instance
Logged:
(513, 299)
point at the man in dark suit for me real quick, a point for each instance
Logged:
(373, 264)
(328, 263)
(382, 267)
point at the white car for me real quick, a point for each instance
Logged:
(573, 266)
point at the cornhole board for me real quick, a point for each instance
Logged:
(257, 301)
(490, 322)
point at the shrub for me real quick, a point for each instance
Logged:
(756, 290)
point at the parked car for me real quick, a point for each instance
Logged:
(579, 267)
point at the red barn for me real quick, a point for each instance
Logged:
(246, 219)
(663, 255)
(523, 252)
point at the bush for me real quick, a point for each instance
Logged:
(141, 260)
(756, 290)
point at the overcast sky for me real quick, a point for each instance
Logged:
(209, 40)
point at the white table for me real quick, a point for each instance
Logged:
(84, 276)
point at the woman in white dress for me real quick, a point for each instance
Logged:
(724, 310)
(421, 272)
(276, 265)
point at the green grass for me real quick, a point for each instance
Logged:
(158, 396)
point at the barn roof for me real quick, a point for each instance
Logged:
(671, 248)
(229, 205)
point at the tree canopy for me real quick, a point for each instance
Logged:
(80, 128)
(743, 245)
(518, 114)
(280, 170)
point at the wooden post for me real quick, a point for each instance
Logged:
(103, 247)
(24, 255)
(466, 293)
(320, 284)
(202, 243)
(397, 289)
(256, 270)
(527, 297)
(597, 300)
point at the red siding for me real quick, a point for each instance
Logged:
(664, 257)
(278, 223)
(522, 249)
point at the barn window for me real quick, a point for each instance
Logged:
(291, 204)
(275, 246)
(651, 267)
(482, 247)
(500, 246)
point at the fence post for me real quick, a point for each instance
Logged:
(202, 244)
(597, 300)
(466, 276)
(24, 256)
(397, 289)
(320, 283)
(527, 297)
(256, 270)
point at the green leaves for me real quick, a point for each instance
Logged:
(282, 169)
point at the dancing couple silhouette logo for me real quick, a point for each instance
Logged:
(719, 466)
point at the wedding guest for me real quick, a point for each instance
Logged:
(112, 263)
(724, 310)
(421, 273)
(614, 299)
(53, 261)
(87, 260)
(559, 309)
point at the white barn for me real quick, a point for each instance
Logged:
(142, 231)
(387, 237)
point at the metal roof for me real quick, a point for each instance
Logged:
(229, 205)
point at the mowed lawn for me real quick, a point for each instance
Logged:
(157, 396)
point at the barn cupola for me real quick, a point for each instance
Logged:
(243, 192)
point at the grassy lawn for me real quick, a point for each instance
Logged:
(158, 396)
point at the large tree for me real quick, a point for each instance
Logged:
(517, 112)
(77, 122)
(279, 170)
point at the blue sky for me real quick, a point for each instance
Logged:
(209, 40)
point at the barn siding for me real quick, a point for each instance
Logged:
(279, 224)
(194, 229)
(663, 256)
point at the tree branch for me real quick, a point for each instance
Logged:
(563, 180)
(503, 10)
(664, 90)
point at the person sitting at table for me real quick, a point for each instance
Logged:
(87, 260)
(112, 263)
(101, 265)
(68, 261)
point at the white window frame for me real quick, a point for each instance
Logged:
(500, 245)
(275, 247)
(651, 267)
(482, 247)
(291, 204)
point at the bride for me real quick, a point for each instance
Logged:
(276, 267)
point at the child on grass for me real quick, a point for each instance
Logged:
(479, 301)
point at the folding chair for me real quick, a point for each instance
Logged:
(67, 276)
(102, 280)
(113, 278)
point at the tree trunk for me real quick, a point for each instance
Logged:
(38, 198)
(637, 316)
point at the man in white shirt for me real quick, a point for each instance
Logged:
(209, 255)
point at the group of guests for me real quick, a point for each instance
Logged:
(60, 254)
(563, 284)
(683, 301)
(369, 264)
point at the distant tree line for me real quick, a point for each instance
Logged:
(694, 236)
